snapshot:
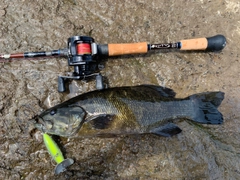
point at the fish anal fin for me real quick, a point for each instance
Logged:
(102, 121)
(166, 130)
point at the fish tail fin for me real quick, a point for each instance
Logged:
(206, 105)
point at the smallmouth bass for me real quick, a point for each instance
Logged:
(143, 109)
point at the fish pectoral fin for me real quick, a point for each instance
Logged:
(102, 121)
(166, 130)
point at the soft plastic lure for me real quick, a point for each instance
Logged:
(56, 154)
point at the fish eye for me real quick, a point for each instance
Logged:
(52, 112)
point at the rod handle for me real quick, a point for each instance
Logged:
(122, 49)
(127, 48)
(215, 43)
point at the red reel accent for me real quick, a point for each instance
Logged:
(84, 48)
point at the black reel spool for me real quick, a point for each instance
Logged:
(82, 56)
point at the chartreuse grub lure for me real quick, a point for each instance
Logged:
(56, 154)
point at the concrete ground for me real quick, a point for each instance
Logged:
(28, 86)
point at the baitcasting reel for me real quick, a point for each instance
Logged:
(82, 51)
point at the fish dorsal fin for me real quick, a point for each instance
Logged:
(102, 121)
(166, 130)
(162, 91)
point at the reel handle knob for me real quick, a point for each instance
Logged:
(99, 82)
(61, 84)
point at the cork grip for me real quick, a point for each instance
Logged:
(194, 44)
(214, 43)
(132, 48)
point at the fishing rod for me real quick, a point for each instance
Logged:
(82, 53)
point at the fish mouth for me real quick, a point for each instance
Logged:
(65, 123)
(47, 126)
(40, 124)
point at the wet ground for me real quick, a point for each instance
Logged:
(27, 87)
